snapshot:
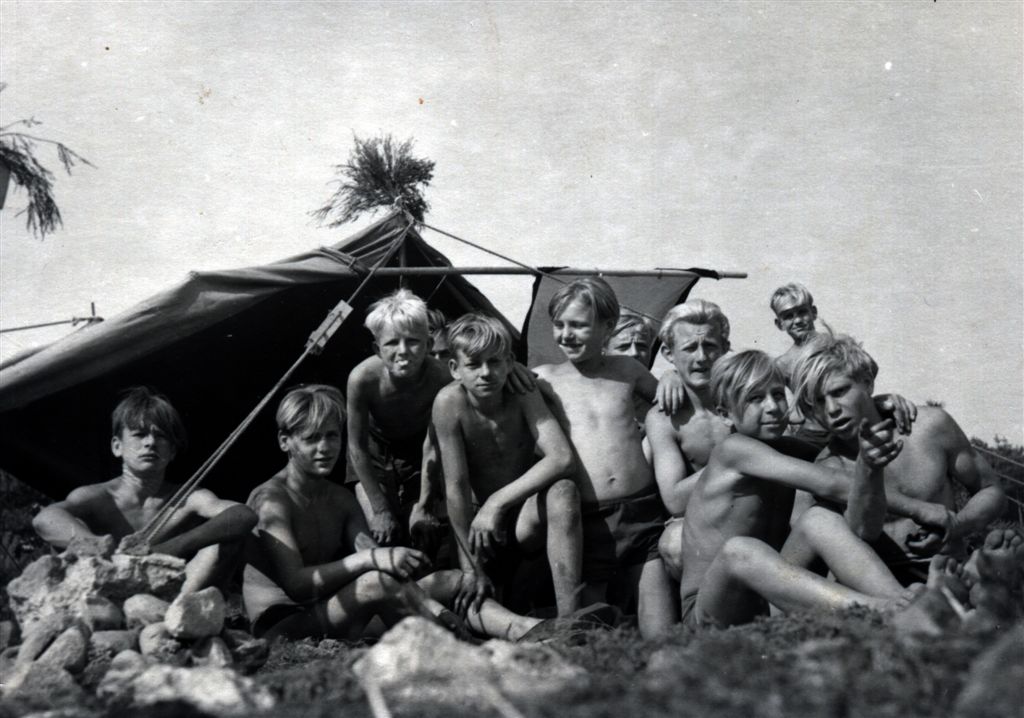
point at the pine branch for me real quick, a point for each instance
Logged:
(379, 173)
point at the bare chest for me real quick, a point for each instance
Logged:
(698, 437)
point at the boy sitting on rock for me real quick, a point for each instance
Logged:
(206, 531)
(313, 569)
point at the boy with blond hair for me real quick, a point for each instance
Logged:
(738, 513)
(833, 378)
(313, 570)
(592, 396)
(632, 336)
(389, 400)
(507, 465)
(147, 434)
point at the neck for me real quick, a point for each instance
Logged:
(485, 404)
(141, 485)
(586, 366)
(700, 399)
(301, 482)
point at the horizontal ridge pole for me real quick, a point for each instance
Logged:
(449, 271)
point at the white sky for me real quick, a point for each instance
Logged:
(870, 150)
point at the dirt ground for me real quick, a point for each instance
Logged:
(809, 665)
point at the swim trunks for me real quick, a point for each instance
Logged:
(621, 533)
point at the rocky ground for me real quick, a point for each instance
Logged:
(94, 634)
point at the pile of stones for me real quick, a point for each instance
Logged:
(104, 628)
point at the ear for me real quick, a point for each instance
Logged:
(115, 446)
(282, 439)
(778, 323)
(376, 348)
(453, 368)
(726, 417)
(814, 312)
(666, 351)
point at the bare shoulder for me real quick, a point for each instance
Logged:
(935, 426)
(450, 402)
(269, 494)
(545, 371)
(91, 492)
(365, 373)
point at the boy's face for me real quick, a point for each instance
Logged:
(439, 349)
(402, 350)
(314, 452)
(695, 349)
(144, 452)
(631, 342)
(483, 375)
(577, 333)
(842, 403)
(796, 319)
(763, 414)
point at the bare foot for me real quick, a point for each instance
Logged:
(947, 574)
(995, 574)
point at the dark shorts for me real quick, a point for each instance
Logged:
(273, 616)
(906, 569)
(396, 466)
(620, 534)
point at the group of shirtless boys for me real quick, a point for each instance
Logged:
(751, 482)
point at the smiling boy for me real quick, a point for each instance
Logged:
(507, 466)
(833, 380)
(592, 396)
(738, 514)
(147, 434)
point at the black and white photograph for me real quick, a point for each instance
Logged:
(512, 358)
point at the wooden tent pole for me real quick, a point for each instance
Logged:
(450, 271)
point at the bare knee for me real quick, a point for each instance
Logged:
(670, 546)
(817, 522)
(376, 585)
(741, 554)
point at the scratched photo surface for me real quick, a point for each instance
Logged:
(871, 150)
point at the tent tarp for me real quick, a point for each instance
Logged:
(652, 296)
(217, 342)
(213, 344)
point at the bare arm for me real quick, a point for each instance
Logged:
(456, 473)
(225, 521)
(382, 522)
(309, 583)
(972, 471)
(424, 526)
(58, 523)
(646, 386)
(669, 465)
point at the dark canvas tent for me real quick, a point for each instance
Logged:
(215, 344)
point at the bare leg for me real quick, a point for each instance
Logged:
(211, 565)
(554, 514)
(656, 605)
(851, 559)
(746, 567)
(346, 613)
(670, 546)
(492, 620)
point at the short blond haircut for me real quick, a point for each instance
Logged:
(695, 311)
(594, 291)
(401, 310)
(735, 377)
(310, 407)
(630, 320)
(475, 334)
(794, 291)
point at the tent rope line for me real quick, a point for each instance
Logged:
(535, 270)
(160, 520)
